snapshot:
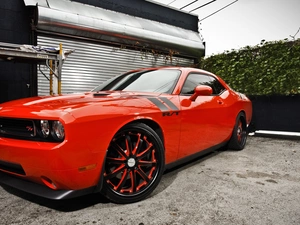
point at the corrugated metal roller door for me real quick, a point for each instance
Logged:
(92, 63)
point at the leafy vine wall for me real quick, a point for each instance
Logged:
(269, 68)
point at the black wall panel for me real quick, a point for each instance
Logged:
(276, 113)
(15, 78)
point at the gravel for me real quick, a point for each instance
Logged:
(259, 185)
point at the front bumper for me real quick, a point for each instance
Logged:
(41, 190)
(51, 170)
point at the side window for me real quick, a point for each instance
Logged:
(217, 87)
(194, 80)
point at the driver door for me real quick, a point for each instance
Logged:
(203, 120)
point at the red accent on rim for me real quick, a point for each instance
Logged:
(122, 177)
(240, 132)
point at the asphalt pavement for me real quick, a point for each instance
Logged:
(257, 186)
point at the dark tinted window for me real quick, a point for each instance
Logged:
(159, 81)
(194, 80)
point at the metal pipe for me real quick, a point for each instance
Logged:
(59, 69)
(51, 76)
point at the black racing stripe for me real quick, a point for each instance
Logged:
(169, 103)
(159, 104)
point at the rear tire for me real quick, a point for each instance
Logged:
(134, 164)
(239, 135)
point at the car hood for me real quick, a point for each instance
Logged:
(56, 105)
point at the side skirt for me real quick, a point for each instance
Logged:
(194, 156)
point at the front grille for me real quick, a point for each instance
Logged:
(17, 127)
(12, 167)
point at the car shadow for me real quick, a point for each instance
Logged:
(170, 174)
(79, 203)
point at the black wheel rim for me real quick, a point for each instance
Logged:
(241, 133)
(132, 163)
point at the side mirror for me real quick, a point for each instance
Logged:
(201, 90)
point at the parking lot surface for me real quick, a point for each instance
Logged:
(259, 185)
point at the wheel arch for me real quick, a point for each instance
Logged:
(152, 124)
(243, 113)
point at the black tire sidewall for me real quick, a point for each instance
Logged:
(155, 139)
(234, 144)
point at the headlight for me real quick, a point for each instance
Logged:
(45, 128)
(50, 130)
(58, 130)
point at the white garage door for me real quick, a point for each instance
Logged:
(93, 63)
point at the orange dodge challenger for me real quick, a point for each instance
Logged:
(119, 138)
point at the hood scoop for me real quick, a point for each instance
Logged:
(100, 94)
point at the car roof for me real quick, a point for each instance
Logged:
(186, 69)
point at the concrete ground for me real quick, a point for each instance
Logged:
(259, 185)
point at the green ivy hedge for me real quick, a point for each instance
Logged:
(270, 68)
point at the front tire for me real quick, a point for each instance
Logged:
(134, 164)
(239, 134)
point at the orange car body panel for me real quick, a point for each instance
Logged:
(91, 121)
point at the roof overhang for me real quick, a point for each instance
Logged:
(77, 19)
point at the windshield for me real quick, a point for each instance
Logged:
(159, 81)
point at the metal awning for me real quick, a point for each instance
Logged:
(82, 20)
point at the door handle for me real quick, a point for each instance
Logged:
(220, 102)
